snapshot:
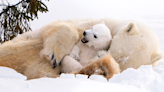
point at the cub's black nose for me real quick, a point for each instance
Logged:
(84, 33)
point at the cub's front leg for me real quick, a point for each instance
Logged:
(75, 53)
(100, 54)
(69, 65)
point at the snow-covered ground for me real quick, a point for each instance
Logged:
(144, 79)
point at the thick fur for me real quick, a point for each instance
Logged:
(105, 66)
(133, 44)
(96, 40)
(23, 56)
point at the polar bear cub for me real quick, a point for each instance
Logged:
(94, 44)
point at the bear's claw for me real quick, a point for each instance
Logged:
(54, 63)
(52, 57)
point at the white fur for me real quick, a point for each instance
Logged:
(84, 53)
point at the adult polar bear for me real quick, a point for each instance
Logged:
(134, 44)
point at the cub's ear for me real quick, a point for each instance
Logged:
(131, 29)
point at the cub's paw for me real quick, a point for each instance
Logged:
(76, 57)
(101, 53)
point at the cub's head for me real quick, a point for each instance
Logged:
(98, 37)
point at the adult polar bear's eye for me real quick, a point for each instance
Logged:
(95, 36)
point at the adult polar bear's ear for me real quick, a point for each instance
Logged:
(131, 29)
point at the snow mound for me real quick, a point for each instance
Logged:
(10, 74)
(144, 77)
(68, 76)
(81, 76)
(98, 78)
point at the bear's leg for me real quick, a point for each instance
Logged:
(27, 36)
(105, 66)
(58, 42)
(41, 68)
(69, 65)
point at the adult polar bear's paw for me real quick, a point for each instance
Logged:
(56, 39)
(49, 56)
(105, 66)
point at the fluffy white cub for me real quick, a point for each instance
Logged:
(94, 44)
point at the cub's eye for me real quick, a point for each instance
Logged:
(95, 36)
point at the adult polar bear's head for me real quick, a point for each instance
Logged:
(98, 37)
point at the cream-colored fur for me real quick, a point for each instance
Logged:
(23, 56)
(133, 44)
(105, 66)
(95, 40)
(26, 36)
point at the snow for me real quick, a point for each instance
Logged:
(10, 74)
(97, 78)
(144, 79)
